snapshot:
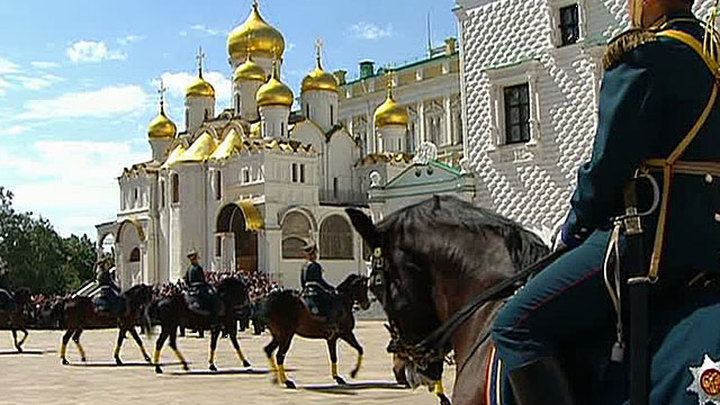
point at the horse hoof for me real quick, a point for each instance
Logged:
(186, 367)
(290, 384)
(340, 380)
(158, 370)
(444, 400)
(147, 358)
(213, 367)
(118, 362)
(19, 349)
(83, 359)
(354, 373)
(246, 363)
(65, 362)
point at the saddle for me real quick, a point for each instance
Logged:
(109, 301)
(319, 300)
(202, 299)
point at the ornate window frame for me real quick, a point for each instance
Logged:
(554, 7)
(525, 72)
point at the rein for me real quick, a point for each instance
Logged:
(433, 347)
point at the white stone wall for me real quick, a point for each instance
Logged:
(506, 42)
(319, 105)
(196, 109)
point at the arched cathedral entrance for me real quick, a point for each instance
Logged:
(236, 240)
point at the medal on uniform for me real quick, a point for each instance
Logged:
(706, 381)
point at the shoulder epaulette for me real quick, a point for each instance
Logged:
(625, 42)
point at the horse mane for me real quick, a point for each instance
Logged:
(349, 280)
(430, 228)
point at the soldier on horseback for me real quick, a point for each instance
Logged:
(320, 296)
(108, 300)
(201, 296)
(658, 92)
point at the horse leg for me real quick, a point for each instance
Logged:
(63, 346)
(139, 342)
(214, 334)
(440, 393)
(173, 346)
(350, 339)
(118, 346)
(236, 345)
(15, 341)
(22, 341)
(158, 348)
(282, 351)
(76, 339)
(332, 349)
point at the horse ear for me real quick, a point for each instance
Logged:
(364, 226)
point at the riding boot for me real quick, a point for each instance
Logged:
(541, 382)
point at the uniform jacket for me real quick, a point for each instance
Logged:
(652, 93)
(312, 272)
(195, 275)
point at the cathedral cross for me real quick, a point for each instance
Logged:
(318, 48)
(200, 57)
(161, 91)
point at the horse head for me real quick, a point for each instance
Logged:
(22, 296)
(138, 296)
(355, 287)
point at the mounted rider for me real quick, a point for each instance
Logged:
(200, 296)
(319, 295)
(657, 114)
(108, 299)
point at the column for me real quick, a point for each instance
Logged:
(421, 118)
(448, 120)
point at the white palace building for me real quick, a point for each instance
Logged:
(248, 184)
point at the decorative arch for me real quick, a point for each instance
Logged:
(240, 221)
(336, 238)
(296, 229)
(134, 255)
(236, 126)
(308, 214)
(130, 222)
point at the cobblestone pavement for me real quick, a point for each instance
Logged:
(37, 377)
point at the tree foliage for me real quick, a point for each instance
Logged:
(33, 255)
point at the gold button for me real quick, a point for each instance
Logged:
(717, 217)
(708, 178)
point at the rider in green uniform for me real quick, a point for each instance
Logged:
(654, 90)
(313, 282)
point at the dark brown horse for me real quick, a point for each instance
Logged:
(288, 315)
(173, 312)
(12, 317)
(79, 314)
(429, 261)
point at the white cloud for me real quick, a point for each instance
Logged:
(129, 39)
(8, 67)
(44, 64)
(176, 84)
(13, 130)
(366, 30)
(203, 29)
(108, 101)
(72, 183)
(92, 51)
(37, 82)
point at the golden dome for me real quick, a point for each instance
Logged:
(249, 71)
(390, 112)
(319, 79)
(161, 127)
(200, 88)
(274, 92)
(255, 36)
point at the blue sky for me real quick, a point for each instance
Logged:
(78, 80)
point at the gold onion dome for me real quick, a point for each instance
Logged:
(274, 92)
(161, 127)
(200, 88)
(256, 36)
(319, 79)
(249, 71)
(390, 112)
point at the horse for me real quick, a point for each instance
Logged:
(79, 313)
(288, 315)
(173, 312)
(12, 314)
(429, 260)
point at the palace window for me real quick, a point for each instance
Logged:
(135, 197)
(336, 239)
(246, 175)
(332, 115)
(295, 230)
(175, 188)
(302, 173)
(517, 113)
(336, 188)
(218, 246)
(569, 24)
(307, 111)
(134, 255)
(294, 173)
(218, 185)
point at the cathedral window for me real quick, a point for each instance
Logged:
(336, 190)
(134, 255)
(218, 185)
(307, 111)
(282, 129)
(295, 230)
(569, 24)
(294, 173)
(517, 113)
(218, 246)
(175, 188)
(332, 115)
(336, 239)
(302, 173)
(237, 104)
(246, 175)
(162, 194)
(135, 197)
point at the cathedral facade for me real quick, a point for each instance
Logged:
(249, 185)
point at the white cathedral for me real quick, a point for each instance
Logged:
(248, 185)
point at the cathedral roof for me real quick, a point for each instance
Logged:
(200, 88)
(255, 36)
(387, 157)
(274, 93)
(229, 145)
(161, 127)
(174, 156)
(200, 150)
(390, 112)
(249, 71)
(319, 80)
